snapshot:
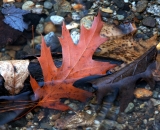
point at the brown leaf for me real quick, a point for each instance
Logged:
(14, 73)
(126, 48)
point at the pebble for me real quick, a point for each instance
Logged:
(57, 20)
(141, 5)
(154, 9)
(52, 40)
(142, 93)
(155, 102)
(49, 27)
(75, 35)
(129, 108)
(107, 10)
(40, 28)
(48, 5)
(28, 5)
(149, 21)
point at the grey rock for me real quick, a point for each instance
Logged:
(154, 9)
(48, 5)
(45, 126)
(119, 3)
(120, 17)
(39, 28)
(129, 108)
(141, 5)
(109, 124)
(155, 102)
(158, 1)
(76, 16)
(75, 35)
(57, 20)
(155, 94)
(149, 21)
(52, 40)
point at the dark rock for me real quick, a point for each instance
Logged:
(139, 17)
(122, 12)
(20, 54)
(141, 5)
(126, 7)
(149, 21)
(119, 3)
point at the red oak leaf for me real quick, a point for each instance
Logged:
(77, 63)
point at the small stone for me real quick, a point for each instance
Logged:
(142, 93)
(155, 94)
(72, 25)
(73, 106)
(119, 3)
(76, 16)
(54, 117)
(39, 28)
(151, 119)
(158, 108)
(141, 5)
(87, 21)
(154, 9)
(15, 48)
(155, 102)
(75, 35)
(129, 108)
(156, 112)
(5, 57)
(145, 121)
(12, 53)
(48, 5)
(29, 116)
(149, 21)
(107, 10)
(120, 17)
(56, 20)
(49, 27)
(37, 9)
(52, 40)
(28, 5)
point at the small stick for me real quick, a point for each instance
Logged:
(33, 39)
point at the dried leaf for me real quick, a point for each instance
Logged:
(126, 48)
(77, 63)
(14, 73)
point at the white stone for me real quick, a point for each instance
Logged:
(126, 1)
(28, 5)
(57, 20)
(75, 35)
(48, 5)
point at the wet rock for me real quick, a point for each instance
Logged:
(29, 116)
(72, 25)
(119, 3)
(109, 124)
(155, 94)
(120, 17)
(75, 35)
(28, 5)
(76, 16)
(49, 27)
(154, 9)
(57, 20)
(155, 102)
(87, 21)
(45, 126)
(141, 5)
(37, 9)
(142, 93)
(73, 106)
(149, 21)
(129, 108)
(20, 54)
(52, 40)
(12, 53)
(107, 10)
(39, 28)
(48, 5)
(5, 57)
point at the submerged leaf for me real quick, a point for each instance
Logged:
(77, 63)
(13, 17)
